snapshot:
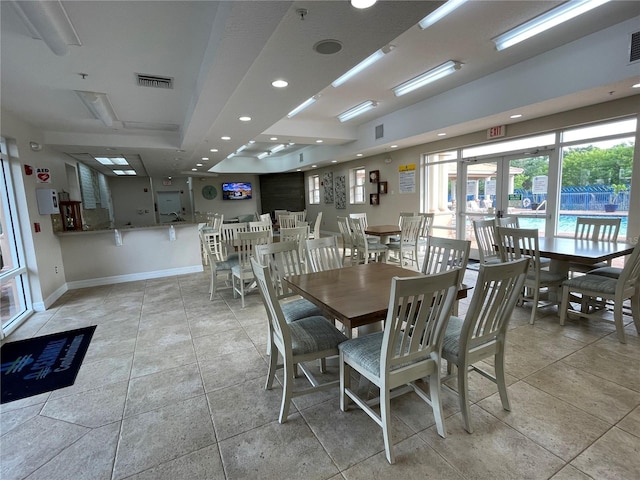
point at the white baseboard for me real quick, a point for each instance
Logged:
(51, 299)
(94, 282)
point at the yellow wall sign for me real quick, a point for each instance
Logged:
(407, 168)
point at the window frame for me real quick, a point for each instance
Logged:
(314, 189)
(356, 174)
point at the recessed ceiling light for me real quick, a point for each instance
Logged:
(298, 170)
(358, 154)
(637, 85)
(198, 164)
(251, 142)
(334, 161)
(225, 138)
(280, 83)
(314, 166)
(273, 139)
(213, 150)
(319, 141)
(441, 134)
(394, 146)
(517, 115)
(180, 151)
(244, 118)
(205, 158)
(194, 169)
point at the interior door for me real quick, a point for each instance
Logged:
(169, 207)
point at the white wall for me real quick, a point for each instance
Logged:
(130, 195)
(43, 253)
(230, 208)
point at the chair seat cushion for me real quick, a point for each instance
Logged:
(451, 343)
(227, 264)
(547, 277)
(298, 309)
(584, 268)
(612, 272)
(314, 334)
(376, 247)
(593, 283)
(398, 245)
(365, 352)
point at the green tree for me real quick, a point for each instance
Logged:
(533, 167)
(595, 166)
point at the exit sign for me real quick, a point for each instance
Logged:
(495, 132)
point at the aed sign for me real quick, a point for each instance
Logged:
(43, 175)
(496, 132)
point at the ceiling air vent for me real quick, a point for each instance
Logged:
(634, 48)
(379, 131)
(153, 81)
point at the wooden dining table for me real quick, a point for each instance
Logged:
(383, 231)
(562, 251)
(356, 295)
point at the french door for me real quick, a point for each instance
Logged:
(15, 298)
(498, 186)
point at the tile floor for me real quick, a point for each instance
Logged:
(172, 388)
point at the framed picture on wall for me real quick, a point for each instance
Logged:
(374, 176)
(382, 188)
(373, 199)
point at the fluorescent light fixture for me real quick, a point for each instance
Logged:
(99, 105)
(547, 20)
(263, 155)
(112, 160)
(367, 62)
(357, 110)
(277, 148)
(439, 13)
(362, 3)
(432, 75)
(302, 106)
(48, 21)
(124, 172)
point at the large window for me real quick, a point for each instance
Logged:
(356, 185)
(15, 301)
(314, 189)
(597, 163)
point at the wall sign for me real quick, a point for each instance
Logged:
(43, 175)
(496, 132)
(407, 178)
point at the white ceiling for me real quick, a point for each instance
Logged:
(223, 57)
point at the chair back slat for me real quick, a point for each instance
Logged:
(283, 259)
(419, 310)
(485, 232)
(261, 226)
(247, 242)
(287, 220)
(444, 254)
(496, 292)
(509, 221)
(361, 216)
(322, 254)
(598, 229)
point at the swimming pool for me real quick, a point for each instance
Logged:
(567, 224)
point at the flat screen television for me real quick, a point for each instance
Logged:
(236, 191)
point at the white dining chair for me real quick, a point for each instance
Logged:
(407, 246)
(347, 239)
(216, 267)
(593, 286)
(242, 273)
(482, 333)
(308, 339)
(517, 243)
(287, 220)
(409, 349)
(365, 249)
(601, 229)
(485, 233)
(323, 254)
(315, 231)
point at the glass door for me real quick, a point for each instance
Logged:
(15, 300)
(514, 185)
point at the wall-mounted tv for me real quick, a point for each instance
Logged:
(236, 191)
